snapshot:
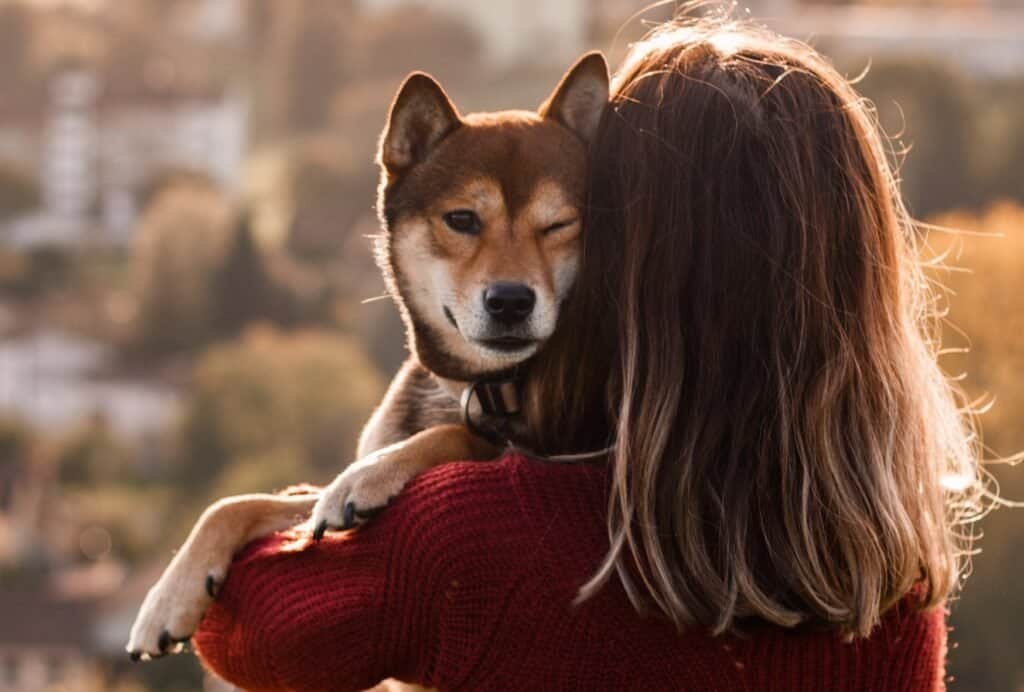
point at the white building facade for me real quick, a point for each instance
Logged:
(98, 153)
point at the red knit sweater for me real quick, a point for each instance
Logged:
(466, 583)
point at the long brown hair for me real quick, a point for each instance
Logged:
(784, 444)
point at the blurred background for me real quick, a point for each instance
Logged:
(186, 187)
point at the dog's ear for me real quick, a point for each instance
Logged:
(421, 116)
(580, 96)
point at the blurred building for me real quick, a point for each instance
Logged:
(98, 149)
(53, 380)
(143, 136)
(514, 31)
(67, 168)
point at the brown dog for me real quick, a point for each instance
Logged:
(482, 222)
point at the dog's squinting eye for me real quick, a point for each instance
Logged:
(463, 221)
(558, 226)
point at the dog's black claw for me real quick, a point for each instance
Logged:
(212, 587)
(367, 514)
(135, 656)
(320, 530)
(168, 643)
(348, 516)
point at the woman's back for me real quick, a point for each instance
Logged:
(468, 582)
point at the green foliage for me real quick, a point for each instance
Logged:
(16, 441)
(93, 455)
(80, 277)
(19, 191)
(329, 189)
(51, 267)
(201, 274)
(181, 238)
(13, 271)
(242, 289)
(136, 516)
(288, 406)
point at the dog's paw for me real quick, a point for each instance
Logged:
(360, 492)
(172, 610)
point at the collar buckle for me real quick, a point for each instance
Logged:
(498, 400)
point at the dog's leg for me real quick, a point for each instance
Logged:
(366, 486)
(175, 604)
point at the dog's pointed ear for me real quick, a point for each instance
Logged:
(421, 116)
(580, 96)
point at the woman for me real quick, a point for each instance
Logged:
(787, 466)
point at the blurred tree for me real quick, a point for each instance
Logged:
(182, 237)
(19, 191)
(298, 51)
(288, 408)
(41, 269)
(92, 455)
(316, 201)
(927, 106)
(16, 440)
(167, 178)
(329, 189)
(986, 304)
(50, 267)
(273, 28)
(13, 271)
(241, 288)
(203, 273)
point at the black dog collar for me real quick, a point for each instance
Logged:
(499, 399)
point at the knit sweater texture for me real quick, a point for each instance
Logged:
(467, 582)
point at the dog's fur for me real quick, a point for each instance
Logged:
(522, 175)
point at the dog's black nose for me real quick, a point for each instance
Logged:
(509, 302)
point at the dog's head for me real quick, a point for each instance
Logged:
(482, 219)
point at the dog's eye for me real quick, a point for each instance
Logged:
(463, 221)
(558, 226)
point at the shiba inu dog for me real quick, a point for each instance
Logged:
(481, 217)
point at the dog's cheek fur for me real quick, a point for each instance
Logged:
(565, 277)
(418, 275)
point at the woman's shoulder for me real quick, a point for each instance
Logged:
(507, 510)
(513, 478)
(466, 507)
